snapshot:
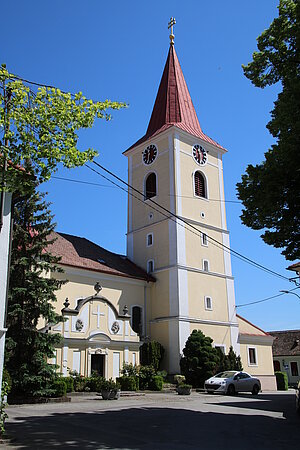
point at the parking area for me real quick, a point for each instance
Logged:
(158, 421)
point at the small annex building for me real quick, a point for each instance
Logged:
(286, 353)
(174, 278)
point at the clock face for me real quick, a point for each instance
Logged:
(199, 154)
(149, 154)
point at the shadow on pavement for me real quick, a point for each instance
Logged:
(153, 428)
(284, 403)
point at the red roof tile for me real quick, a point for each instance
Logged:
(82, 253)
(173, 105)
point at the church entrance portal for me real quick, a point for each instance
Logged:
(97, 364)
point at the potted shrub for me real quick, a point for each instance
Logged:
(184, 389)
(110, 390)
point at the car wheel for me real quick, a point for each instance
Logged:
(255, 389)
(231, 390)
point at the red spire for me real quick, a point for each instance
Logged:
(173, 105)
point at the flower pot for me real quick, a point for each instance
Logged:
(184, 390)
(112, 394)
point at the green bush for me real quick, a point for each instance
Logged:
(109, 385)
(95, 382)
(163, 374)
(59, 387)
(282, 381)
(69, 381)
(130, 370)
(146, 374)
(128, 383)
(156, 383)
(81, 384)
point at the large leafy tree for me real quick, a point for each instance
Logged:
(270, 191)
(200, 359)
(41, 128)
(31, 299)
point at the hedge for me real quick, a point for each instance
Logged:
(282, 381)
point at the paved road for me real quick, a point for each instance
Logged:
(159, 421)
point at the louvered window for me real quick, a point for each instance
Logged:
(200, 185)
(150, 187)
(136, 319)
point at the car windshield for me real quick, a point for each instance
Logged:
(225, 374)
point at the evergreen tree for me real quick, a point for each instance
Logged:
(151, 354)
(228, 362)
(200, 359)
(31, 297)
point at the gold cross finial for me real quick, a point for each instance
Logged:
(170, 25)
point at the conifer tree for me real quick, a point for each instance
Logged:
(200, 359)
(31, 297)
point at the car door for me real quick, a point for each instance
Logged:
(245, 382)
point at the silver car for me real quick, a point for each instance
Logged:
(232, 382)
(298, 398)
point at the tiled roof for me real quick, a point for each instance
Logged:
(286, 343)
(81, 253)
(173, 105)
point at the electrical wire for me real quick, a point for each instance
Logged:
(212, 240)
(265, 299)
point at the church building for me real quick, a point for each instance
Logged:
(177, 275)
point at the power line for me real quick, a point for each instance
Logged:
(82, 182)
(233, 252)
(265, 299)
(105, 185)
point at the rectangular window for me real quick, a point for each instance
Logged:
(221, 347)
(149, 239)
(208, 303)
(150, 266)
(205, 265)
(252, 356)
(133, 359)
(294, 369)
(204, 240)
(116, 365)
(76, 361)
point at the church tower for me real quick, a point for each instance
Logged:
(179, 167)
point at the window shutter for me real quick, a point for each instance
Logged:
(199, 185)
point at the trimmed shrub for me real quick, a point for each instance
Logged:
(69, 382)
(59, 387)
(128, 383)
(130, 370)
(81, 384)
(282, 381)
(156, 383)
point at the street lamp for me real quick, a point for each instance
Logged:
(290, 292)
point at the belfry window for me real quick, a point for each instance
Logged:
(150, 186)
(136, 319)
(199, 182)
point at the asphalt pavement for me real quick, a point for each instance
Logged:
(158, 421)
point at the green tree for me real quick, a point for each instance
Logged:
(31, 298)
(228, 362)
(41, 128)
(270, 191)
(200, 359)
(151, 354)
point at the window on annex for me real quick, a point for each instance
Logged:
(294, 369)
(208, 303)
(199, 182)
(136, 319)
(276, 365)
(205, 265)
(252, 357)
(204, 240)
(221, 347)
(149, 239)
(150, 186)
(150, 266)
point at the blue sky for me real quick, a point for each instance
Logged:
(117, 50)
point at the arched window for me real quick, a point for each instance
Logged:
(150, 186)
(136, 319)
(200, 190)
